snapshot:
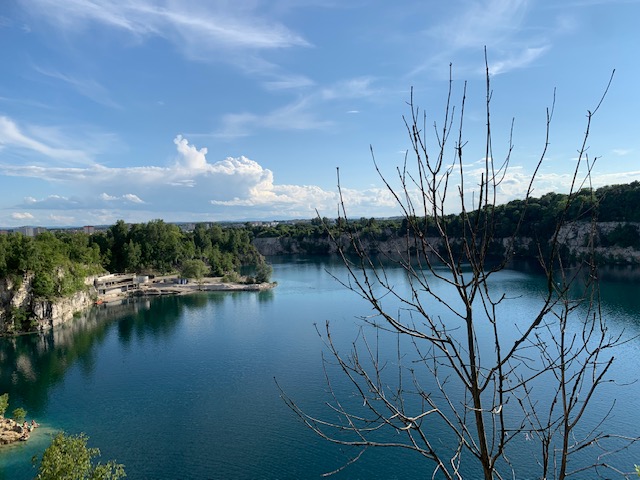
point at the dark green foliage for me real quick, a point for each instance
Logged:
(19, 414)
(195, 269)
(159, 247)
(43, 285)
(263, 273)
(619, 203)
(535, 219)
(4, 403)
(624, 235)
(69, 458)
(19, 318)
(60, 262)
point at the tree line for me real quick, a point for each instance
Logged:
(535, 218)
(60, 261)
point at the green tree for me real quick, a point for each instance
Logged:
(263, 272)
(4, 403)
(19, 414)
(195, 269)
(132, 254)
(69, 458)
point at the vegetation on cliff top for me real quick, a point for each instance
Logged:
(57, 264)
(61, 261)
(616, 203)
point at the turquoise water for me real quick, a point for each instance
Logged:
(184, 387)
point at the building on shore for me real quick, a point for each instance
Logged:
(118, 283)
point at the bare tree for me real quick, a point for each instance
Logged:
(481, 397)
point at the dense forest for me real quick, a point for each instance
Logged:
(60, 261)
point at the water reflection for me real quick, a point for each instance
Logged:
(33, 364)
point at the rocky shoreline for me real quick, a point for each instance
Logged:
(12, 431)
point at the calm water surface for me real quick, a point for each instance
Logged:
(184, 387)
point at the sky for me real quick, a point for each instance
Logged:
(219, 110)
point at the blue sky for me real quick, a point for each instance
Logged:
(242, 109)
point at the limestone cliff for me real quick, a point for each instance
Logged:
(20, 310)
(574, 236)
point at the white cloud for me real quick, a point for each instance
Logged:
(21, 216)
(130, 197)
(234, 186)
(126, 198)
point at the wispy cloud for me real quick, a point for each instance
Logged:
(11, 135)
(200, 30)
(284, 82)
(481, 23)
(516, 60)
(622, 152)
(300, 114)
(495, 24)
(87, 87)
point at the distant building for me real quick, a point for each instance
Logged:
(89, 229)
(26, 231)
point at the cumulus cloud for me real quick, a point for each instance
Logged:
(234, 187)
(233, 181)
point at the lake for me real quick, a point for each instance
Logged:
(183, 387)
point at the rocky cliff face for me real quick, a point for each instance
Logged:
(21, 311)
(574, 236)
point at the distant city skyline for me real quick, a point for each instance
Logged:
(208, 111)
